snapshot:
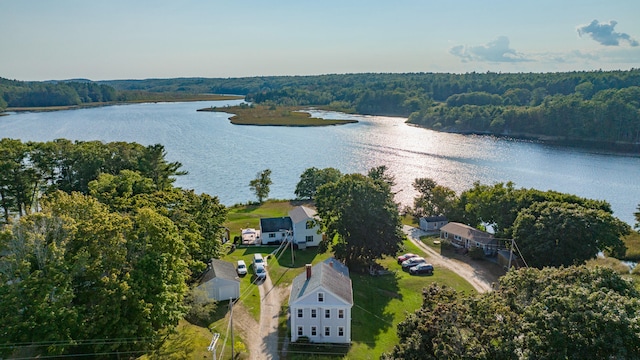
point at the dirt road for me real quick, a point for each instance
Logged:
(478, 277)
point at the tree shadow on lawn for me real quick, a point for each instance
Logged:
(369, 315)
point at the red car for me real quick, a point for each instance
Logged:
(406, 256)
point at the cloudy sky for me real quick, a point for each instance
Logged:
(137, 39)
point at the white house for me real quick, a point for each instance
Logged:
(305, 229)
(433, 223)
(320, 303)
(220, 281)
(274, 230)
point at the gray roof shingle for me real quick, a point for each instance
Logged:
(332, 277)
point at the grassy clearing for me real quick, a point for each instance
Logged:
(381, 302)
(274, 116)
(189, 342)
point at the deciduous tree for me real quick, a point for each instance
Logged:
(565, 313)
(556, 234)
(260, 185)
(361, 214)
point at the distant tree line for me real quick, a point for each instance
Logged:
(594, 106)
(15, 93)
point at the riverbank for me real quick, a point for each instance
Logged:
(173, 98)
(261, 115)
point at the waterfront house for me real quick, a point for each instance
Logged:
(306, 230)
(273, 231)
(464, 236)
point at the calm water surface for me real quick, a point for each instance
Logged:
(222, 158)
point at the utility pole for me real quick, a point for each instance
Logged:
(231, 321)
(291, 241)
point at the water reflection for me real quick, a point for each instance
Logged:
(222, 158)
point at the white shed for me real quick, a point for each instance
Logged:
(220, 281)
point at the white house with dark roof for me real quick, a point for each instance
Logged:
(305, 228)
(220, 281)
(320, 303)
(274, 230)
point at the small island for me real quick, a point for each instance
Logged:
(262, 115)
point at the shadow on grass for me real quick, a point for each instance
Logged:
(369, 315)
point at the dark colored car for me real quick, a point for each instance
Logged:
(406, 256)
(423, 268)
(407, 264)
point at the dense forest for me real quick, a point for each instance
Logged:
(97, 247)
(596, 107)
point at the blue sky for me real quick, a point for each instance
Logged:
(138, 39)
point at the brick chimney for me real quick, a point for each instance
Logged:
(308, 267)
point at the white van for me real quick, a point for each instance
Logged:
(258, 260)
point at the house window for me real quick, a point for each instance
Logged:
(327, 331)
(327, 314)
(309, 225)
(299, 313)
(309, 238)
(313, 313)
(299, 330)
(341, 314)
(313, 331)
(477, 244)
(340, 331)
(446, 235)
(320, 297)
(272, 235)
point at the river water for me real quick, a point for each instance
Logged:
(222, 158)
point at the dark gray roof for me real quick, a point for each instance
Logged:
(331, 278)
(435, 218)
(467, 232)
(268, 225)
(220, 269)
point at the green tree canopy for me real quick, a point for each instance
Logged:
(565, 313)
(361, 214)
(556, 234)
(433, 199)
(260, 185)
(312, 178)
(76, 272)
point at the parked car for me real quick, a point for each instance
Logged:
(407, 264)
(406, 256)
(242, 268)
(423, 268)
(261, 272)
(258, 260)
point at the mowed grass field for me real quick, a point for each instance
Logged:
(380, 302)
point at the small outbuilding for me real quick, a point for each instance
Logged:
(433, 224)
(220, 281)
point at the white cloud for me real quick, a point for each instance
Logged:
(497, 51)
(604, 34)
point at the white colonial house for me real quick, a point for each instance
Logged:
(320, 304)
(305, 228)
(220, 281)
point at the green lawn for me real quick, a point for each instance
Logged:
(380, 302)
